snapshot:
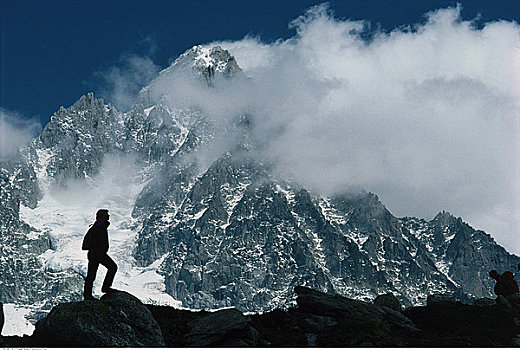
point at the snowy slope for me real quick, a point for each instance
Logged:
(66, 216)
(16, 320)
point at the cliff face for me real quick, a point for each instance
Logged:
(22, 278)
(462, 253)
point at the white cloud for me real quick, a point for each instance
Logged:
(15, 132)
(426, 116)
(123, 81)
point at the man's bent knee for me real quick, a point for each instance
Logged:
(112, 266)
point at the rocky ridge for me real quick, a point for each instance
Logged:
(318, 319)
(117, 319)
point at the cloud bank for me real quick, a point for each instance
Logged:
(425, 116)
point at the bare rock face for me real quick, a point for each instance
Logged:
(118, 319)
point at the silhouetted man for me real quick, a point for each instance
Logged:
(96, 242)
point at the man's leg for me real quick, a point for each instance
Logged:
(93, 265)
(111, 266)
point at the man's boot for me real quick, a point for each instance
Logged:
(87, 291)
(108, 290)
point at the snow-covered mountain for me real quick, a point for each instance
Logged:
(202, 225)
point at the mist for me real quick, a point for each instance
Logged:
(109, 188)
(15, 132)
(120, 83)
(425, 116)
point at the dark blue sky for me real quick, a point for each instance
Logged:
(51, 50)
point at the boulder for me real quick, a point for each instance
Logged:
(514, 298)
(503, 302)
(118, 319)
(318, 324)
(339, 307)
(485, 302)
(319, 303)
(515, 342)
(463, 325)
(311, 339)
(388, 300)
(227, 327)
(436, 299)
(397, 320)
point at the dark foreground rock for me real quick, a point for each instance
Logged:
(222, 328)
(1, 317)
(388, 300)
(319, 319)
(183, 328)
(453, 324)
(331, 320)
(118, 319)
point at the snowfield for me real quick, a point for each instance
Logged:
(66, 216)
(16, 322)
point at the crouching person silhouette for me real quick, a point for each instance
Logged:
(96, 242)
(506, 284)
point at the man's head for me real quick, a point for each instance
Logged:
(102, 214)
(493, 274)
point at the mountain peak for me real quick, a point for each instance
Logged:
(206, 63)
(215, 58)
(444, 218)
(87, 100)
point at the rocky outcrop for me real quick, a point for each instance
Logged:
(446, 323)
(222, 328)
(228, 327)
(118, 319)
(318, 319)
(485, 302)
(342, 308)
(77, 138)
(388, 300)
(334, 321)
(436, 299)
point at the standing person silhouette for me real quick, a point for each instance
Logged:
(96, 242)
